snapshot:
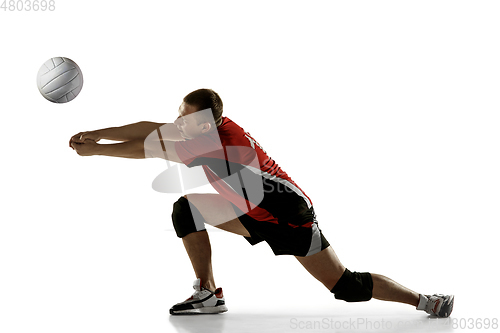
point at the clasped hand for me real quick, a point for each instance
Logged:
(85, 143)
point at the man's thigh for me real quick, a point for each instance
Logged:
(217, 212)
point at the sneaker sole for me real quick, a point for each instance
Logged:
(204, 310)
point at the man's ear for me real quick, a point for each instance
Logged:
(206, 127)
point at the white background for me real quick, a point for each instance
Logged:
(386, 113)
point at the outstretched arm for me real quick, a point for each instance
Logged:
(136, 131)
(140, 130)
(129, 149)
(128, 132)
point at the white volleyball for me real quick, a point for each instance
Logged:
(59, 80)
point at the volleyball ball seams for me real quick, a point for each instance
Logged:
(59, 80)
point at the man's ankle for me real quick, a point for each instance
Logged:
(210, 286)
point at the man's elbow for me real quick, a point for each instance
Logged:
(138, 150)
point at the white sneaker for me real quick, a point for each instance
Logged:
(438, 305)
(202, 301)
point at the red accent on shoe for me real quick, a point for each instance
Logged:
(218, 293)
(435, 306)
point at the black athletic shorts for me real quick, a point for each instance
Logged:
(297, 240)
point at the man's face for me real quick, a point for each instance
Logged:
(188, 124)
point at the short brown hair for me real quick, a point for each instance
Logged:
(206, 98)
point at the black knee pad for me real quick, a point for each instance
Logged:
(354, 287)
(186, 218)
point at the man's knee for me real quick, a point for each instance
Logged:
(354, 287)
(186, 218)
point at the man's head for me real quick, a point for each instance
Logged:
(199, 113)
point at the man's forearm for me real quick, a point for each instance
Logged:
(129, 132)
(137, 149)
(128, 149)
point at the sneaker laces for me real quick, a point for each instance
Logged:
(434, 304)
(198, 292)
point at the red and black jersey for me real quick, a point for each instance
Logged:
(242, 172)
